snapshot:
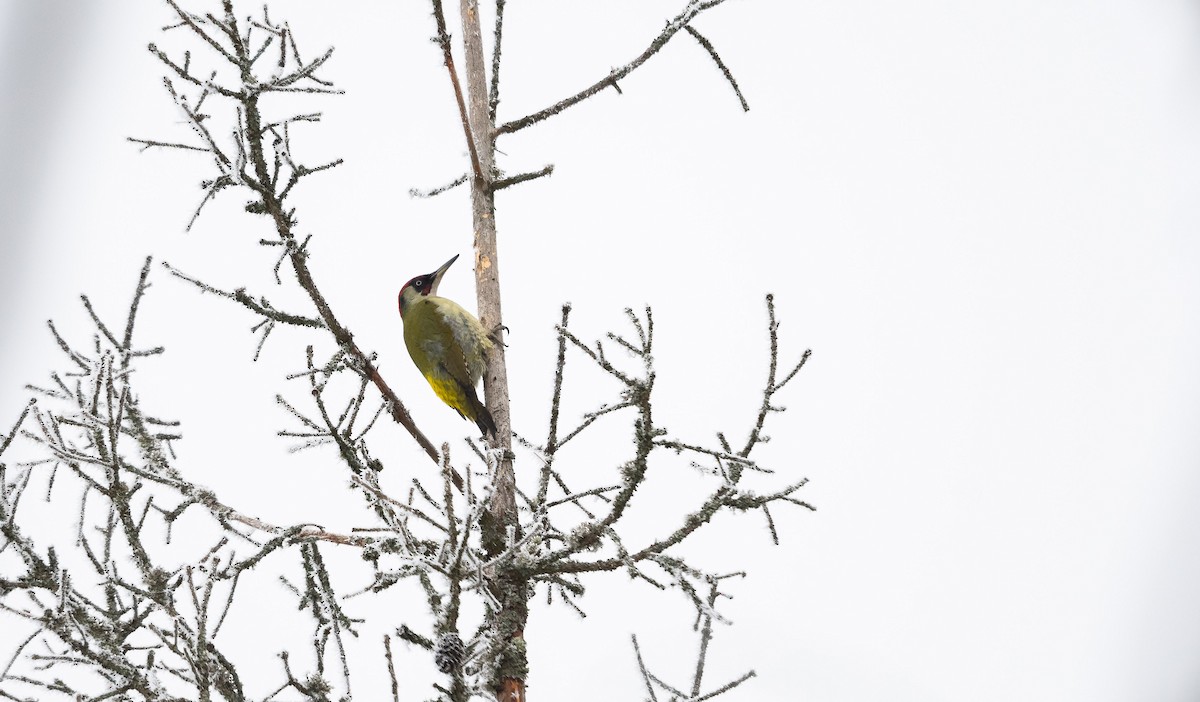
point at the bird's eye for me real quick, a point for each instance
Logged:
(419, 284)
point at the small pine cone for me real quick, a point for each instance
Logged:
(449, 653)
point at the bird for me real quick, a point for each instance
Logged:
(448, 345)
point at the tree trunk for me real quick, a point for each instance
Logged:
(511, 589)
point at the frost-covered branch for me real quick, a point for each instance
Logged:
(705, 629)
(637, 395)
(704, 626)
(601, 541)
(152, 630)
(262, 160)
(115, 631)
(756, 436)
(259, 306)
(122, 609)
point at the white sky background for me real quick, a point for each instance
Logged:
(981, 216)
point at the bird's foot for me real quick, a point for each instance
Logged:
(495, 335)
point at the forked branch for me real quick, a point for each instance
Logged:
(674, 26)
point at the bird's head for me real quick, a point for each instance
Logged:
(422, 286)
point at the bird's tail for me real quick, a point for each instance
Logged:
(483, 418)
(478, 413)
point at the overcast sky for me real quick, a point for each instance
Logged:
(982, 217)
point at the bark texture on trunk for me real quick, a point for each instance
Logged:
(510, 588)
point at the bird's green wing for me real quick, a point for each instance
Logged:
(452, 359)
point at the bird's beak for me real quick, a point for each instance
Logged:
(437, 275)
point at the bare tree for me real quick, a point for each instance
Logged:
(130, 617)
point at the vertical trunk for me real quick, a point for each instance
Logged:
(511, 589)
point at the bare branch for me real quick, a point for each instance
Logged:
(756, 435)
(147, 143)
(305, 71)
(523, 177)
(680, 21)
(555, 403)
(443, 40)
(139, 291)
(720, 64)
(183, 73)
(260, 306)
(644, 671)
(771, 525)
(497, 43)
(17, 654)
(575, 497)
(705, 638)
(16, 428)
(387, 647)
(414, 192)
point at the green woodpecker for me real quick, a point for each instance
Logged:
(448, 344)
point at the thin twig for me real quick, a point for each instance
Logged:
(720, 64)
(497, 36)
(387, 647)
(147, 143)
(756, 435)
(16, 427)
(705, 638)
(414, 192)
(643, 670)
(555, 405)
(240, 296)
(726, 687)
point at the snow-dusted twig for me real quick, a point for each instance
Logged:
(705, 630)
(260, 306)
